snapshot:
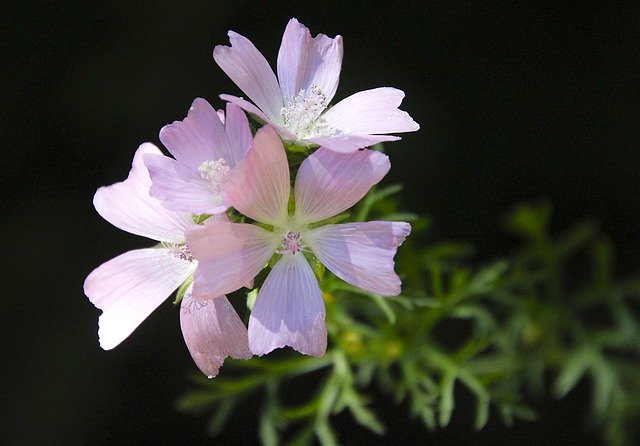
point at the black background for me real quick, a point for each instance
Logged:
(516, 101)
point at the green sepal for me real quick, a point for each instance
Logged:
(201, 218)
(331, 220)
(251, 298)
(182, 289)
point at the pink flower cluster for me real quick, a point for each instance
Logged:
(191, 204)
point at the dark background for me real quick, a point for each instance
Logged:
(516, 100)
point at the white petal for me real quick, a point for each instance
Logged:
(199, 137)
(128, 205)
(304, 61)
(350, 143)
(289, 310)
(371, 112)
(129, 287)
(180, 188)
(361, 253)
(238, 134)
(329, 182)
(250, 71)
(212, 331)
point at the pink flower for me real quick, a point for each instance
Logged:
(295, 103)
(206, 150)
(129, 287)
(289, 309)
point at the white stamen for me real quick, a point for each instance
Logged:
(302, 115)
(214, 172)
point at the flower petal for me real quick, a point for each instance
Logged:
(180, 188)
(371, 112)
(212, 331)
(199, 137)
(246, 106)
(229, 255)
(129, 287)
(238, 134)
(250, 71)
(361, 253)
(329, 183)
(350, 143)
(289, 310)
(128, 205)
(304, 61)
(260, 187)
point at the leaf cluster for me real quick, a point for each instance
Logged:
(500, 330)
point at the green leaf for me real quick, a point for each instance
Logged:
(446, 402)
(483, 280)
(571, 372)
(221, 415)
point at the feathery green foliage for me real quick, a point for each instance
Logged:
(544, 311)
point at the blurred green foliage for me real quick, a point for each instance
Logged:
(550, 313)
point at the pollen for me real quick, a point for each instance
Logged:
(302, 115)
(214, 172)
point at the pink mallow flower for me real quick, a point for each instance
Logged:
(206, 146)
(129, 287)
(296, 103)
(289, 309)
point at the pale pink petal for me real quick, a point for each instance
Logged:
(212, 331)
(304, 62)
(250, 71)
(260, 185)
(361, 253)
(371, 112)
(229, 255)
(350, 143)
(199, 137)
(129, 287)
(181, 189)
(250, 108)
(329, 183)
(128, 205)
(289, 310)
(246, 106)
(238, 133)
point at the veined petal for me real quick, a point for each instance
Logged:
(128, 205)
(350, 143)
(289, 310)
(212, 331)
(229, 255)
(246, 106)
(238, 134)
(371, 112)
(260, 185)
(329, 183)
(129, 287)
(180, 190)
(361, 253)
(250, 71)
(250, 108)
(304, 61)
(199, 137)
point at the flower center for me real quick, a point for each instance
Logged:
(214, 172)
(179, 251)
(302, 117)
(291, 243)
